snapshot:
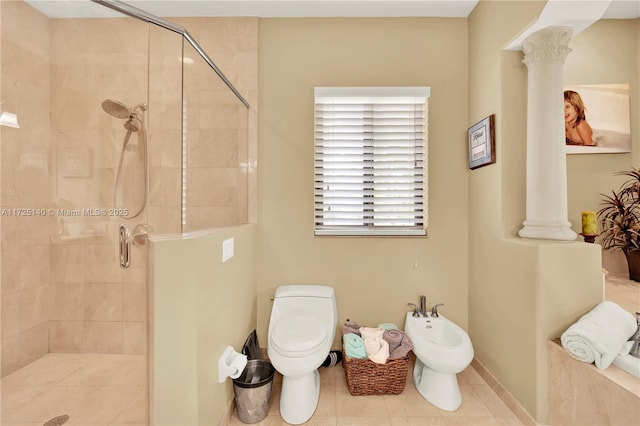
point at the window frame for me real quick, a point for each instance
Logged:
(419, 204)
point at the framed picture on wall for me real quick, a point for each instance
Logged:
(597, 119)
(482, 143)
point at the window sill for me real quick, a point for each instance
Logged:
(371, 232)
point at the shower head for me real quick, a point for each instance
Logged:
(132, 124)
(116, 109)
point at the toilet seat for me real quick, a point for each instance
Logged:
(298, 335)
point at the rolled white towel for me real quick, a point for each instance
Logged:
(377, 349)
(375, 333)
(599, 334)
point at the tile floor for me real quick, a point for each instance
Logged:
(102, 390)
(480, 405)
(92, 389)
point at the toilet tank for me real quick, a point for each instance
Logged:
(317, 300)
(305, 291)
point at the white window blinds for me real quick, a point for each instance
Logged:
(370, 160)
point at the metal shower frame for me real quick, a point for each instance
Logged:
(140, 14)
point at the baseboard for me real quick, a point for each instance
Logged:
(504, 394)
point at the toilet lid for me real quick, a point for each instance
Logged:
(298, 335)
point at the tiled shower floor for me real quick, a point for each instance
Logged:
(92, 389)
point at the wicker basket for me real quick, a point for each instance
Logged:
(365, 377)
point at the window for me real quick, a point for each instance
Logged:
(370, 160)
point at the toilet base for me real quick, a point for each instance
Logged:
(299, 397)
(440, 389)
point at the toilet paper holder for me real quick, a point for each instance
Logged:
(231, 364)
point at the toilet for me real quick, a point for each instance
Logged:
(301, 330)
(442, 350)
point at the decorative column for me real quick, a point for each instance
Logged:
(544, 55)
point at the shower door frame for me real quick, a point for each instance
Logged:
(140, 14)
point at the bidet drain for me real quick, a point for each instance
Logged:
(57, 421)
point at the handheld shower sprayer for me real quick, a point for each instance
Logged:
(134, 117)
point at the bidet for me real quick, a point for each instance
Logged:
(442, 349)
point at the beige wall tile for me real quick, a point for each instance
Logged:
(10, 354)
(10, 314)
(171, 185)
(134, 337)
(581, 394)
(35, 230)
(134, 301)
(10, 191)
(9, 270)
(155, 187)
(34, 343)
(165, 220)
(103, 337)
(69, 302)
(67, 261)
(102, 264)
(103, 302)
(66, 336)
(34, 306)
(34, 266)
(218, 187)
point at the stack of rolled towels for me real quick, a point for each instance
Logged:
(375, 343)
(599, 335)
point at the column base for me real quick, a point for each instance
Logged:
(547, 230)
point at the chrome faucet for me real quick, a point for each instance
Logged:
(434, 310)
(415, 309)
(423, 306)
(635, 349)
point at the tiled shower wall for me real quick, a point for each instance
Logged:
(98, 307)
(27, 183)
(62, 288)
(220, 134)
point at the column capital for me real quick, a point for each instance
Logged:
(549, 43)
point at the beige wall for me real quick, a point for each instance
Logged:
(520, 294)
(200, 305)
(374, 278)
(594, 61)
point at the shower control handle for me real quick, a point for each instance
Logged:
(141, 234)
(125, 246)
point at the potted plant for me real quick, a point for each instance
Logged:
(619, 220)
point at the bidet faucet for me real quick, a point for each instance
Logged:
(635, 349)
(415, 309)
(434, 310)
(423, 306)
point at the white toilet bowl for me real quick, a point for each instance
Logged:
(301, 330)
(442, 350)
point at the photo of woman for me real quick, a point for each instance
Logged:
(576, 129)
(597, 119)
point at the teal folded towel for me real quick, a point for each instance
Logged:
(388, 326)
(354, 346)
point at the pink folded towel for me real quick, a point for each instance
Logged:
(374, 333)
(399, 343)
(377, 349)
(350, 327)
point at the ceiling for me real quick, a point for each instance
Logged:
(616, 9)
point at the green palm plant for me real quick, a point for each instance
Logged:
(619, 219)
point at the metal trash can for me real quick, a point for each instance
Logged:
(252, 390)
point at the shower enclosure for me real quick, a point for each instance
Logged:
(127, 127)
